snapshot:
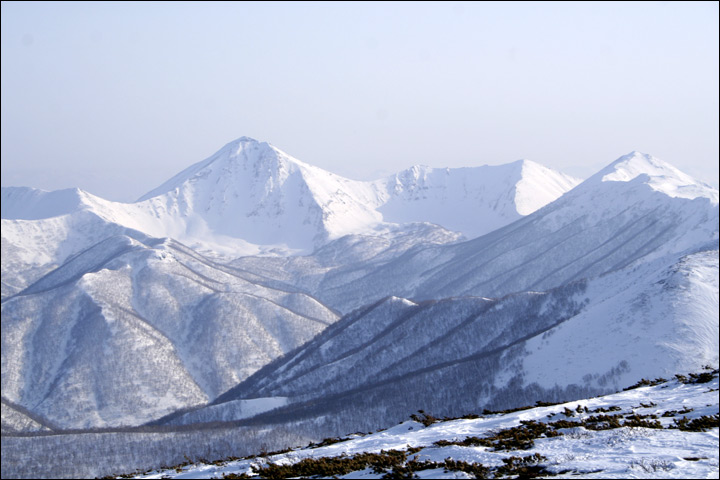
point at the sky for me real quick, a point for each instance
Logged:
(116, 98)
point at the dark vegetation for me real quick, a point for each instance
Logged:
(426, 419)
(394, 464)
(699, 424)
(327, 467)
(703, 377)
(645, 383)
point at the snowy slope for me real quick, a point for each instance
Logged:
(475, 200)
(250, 197)
(637, 209)
(128, 331)
(32, 204)
(254, 191)
(589, 337)
(33, 248)
(571, 452)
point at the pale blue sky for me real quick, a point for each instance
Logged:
(115, 98)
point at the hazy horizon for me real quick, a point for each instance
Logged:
(116, 98)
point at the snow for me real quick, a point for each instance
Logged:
(597, 227)
(250, 198)
(234, 410)
(121, 313)
(657, 318)
(660, 175)
(33, 204)
(626, 452)
(126, 332)
(474, 200)
(13, 420)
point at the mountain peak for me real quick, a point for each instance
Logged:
(636, 163)
(245, 139)
(252, 150)
(252, 190)
(656, 173)
(244, 153)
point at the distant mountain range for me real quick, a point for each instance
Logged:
(255, 287)
(251, 196)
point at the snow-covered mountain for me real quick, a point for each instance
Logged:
(474, 200)
(254, 191)
(636, 209)
(587, 337)
(250, 196)
(81, 273)
(620, 280)
(121, 314)
(24, 203)
(130, 330)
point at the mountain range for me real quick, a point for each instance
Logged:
(255, 288)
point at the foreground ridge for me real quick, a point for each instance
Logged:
(654, 429)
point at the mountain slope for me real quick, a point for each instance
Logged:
(254, 191)
(474, 200)
(126, 332)
(668, 430)
(23, 203)
(631, 211)
(588, 337)
(250, 197)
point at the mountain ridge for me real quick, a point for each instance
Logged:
(110, 277)
(249, 194)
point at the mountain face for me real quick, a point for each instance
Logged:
(128, 331)
(250, 195)
(586, 338)
(617, 277)
(252, 190)
(23, 203)
(475, 200)
(637, 209)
